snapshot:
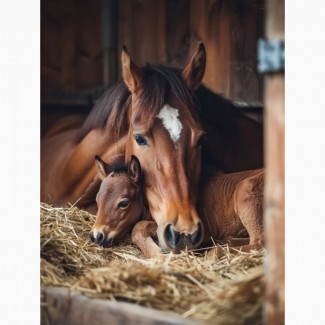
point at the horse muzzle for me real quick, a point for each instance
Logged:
(175, 241)
(101, 239)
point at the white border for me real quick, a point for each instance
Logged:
(20, 154)
(305, 162)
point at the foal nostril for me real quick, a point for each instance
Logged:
(97, 237)
(171, 236)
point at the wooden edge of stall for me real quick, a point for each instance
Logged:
(65, 307)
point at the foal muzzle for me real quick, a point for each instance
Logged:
(101, 239)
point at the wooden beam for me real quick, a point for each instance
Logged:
(64, 307)
(274, 182)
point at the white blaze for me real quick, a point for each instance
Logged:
(170, 120)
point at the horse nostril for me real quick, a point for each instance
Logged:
(197, 236)
(99, 238)
(171, 236)
(108, 242)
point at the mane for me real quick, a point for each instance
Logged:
(118, 165)
(221, 113)
(110, 112)
(119, 169)
(159, 83)
(111, 106)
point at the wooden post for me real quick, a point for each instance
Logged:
(274, 184)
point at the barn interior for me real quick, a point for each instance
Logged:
(81, 43)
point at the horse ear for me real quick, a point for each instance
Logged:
(194, 71)
(132, 74)
(103, 169)
(134, 169)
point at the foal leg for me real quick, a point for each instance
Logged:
(142, 236)
(234, 245)
(249, 206)
(219, 251)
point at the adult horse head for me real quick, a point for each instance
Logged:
(165, 134)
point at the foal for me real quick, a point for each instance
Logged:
(230, 206)
(119, 200)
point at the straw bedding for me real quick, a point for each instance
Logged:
(225, 291)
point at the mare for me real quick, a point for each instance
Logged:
(150, 114)
(230, 207)
(153, 113)
(234, 141)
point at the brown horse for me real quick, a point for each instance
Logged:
(120, 200)
(230, 207)
(152, 115)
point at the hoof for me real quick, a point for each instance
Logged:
(215, 253)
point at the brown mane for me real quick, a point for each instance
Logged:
(157, 85)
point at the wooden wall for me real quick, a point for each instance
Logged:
(230, 30)
(155, 31)
(71, 54)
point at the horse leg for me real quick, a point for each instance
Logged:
(249, 201)
(142, 236)
(233, 245)
(249, 208)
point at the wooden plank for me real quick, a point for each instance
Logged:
(64, 307)
(229, 29)
(89, 59)
(177, 32)
(142, 29)
(50, 47)
(245, 82)
(68, 44)
(209, 23)
(274, 182)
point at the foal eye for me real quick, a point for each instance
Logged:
(141, 140)
(123, 204)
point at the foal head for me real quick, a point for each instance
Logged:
(165, 133)
(119, 201)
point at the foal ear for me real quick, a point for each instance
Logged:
(194, 71)
(103, 169)
(132, 74)
(134, 169)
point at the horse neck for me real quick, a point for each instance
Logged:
(80, 170)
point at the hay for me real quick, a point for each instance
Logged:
(228, 291)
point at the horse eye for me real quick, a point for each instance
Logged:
(141, 140)
(123, 204)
